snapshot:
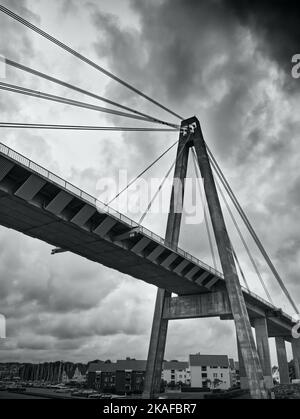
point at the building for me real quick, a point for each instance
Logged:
(130, 376)
(9, 371)
(234, 373)
(176, 373)
(127, 376)
(123, 376)
(210, 371)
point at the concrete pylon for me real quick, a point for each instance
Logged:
(263, 348)
(237, 302)
(160, 325)
(296, 356)
(243, 375)
(282, 361)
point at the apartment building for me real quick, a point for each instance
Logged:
(123, 376)
(210, 371)
(176, 373)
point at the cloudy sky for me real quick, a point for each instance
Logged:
(226, 61)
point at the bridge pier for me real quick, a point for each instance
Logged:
(244, 382)
(157, 347)
(263, 348)
(282, 360)
(296, 356)
(237, 302)
(160, 325)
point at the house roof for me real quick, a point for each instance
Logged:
(209, 360)
(131, 364)
(102, 366)
(120, 365)
(175, 365)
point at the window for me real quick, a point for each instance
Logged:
(204, 375)
(204, 368)
(215, 375)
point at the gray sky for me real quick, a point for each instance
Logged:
(228, 64)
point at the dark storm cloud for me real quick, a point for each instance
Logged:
(276, 22)
(198, 57)
(215, 59)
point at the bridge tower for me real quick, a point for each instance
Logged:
(191, 136)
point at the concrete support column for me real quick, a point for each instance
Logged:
(160, 325)
(243, 374)
(296, 356)
(263, 348)
(282, 361)
(156, 348)
(236, 297)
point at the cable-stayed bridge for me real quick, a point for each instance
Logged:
(41, 205)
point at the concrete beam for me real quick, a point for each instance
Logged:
(30, 188)
(104, 228)
(282, 360)
(192, 272)
(212, 282)
(5, 167)
(197, 306)
(83, 215)
(182, 265)
(296, 356)
(263, 348)
(281, 327)
(141, 245)
(169, 260)
(202, 278)
(128, 235)
(59, 203)
(254, 311)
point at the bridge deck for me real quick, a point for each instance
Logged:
(39, 204)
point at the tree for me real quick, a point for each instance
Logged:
(207, 383)
(217, 382)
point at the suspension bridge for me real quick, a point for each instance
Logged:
(44, 206)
